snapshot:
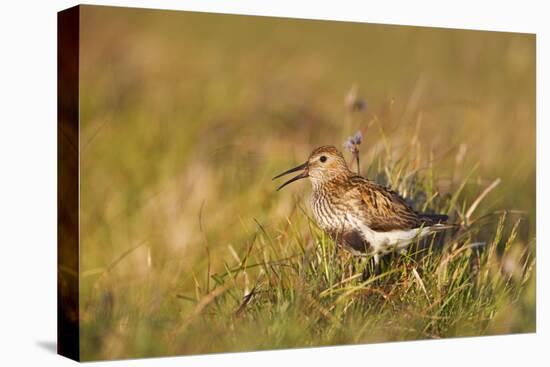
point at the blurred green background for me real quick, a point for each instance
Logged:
(187, 116)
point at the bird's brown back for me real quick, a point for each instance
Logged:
(384, 209)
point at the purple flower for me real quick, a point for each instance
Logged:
(352, 145)
(360, 105)
(358, 138)
(353, 101)
(352, 142)
(349, 145)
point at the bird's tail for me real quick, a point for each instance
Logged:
(435, 218)
(438, 222)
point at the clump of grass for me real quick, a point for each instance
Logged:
(291, 289)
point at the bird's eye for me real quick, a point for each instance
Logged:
(323, 159)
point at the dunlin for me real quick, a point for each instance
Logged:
(360, 215)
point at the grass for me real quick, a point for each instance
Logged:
(186, 247)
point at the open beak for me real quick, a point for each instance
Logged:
(304, 174)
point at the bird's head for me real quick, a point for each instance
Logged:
(324, 164)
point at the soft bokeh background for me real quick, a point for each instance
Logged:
(185, 117)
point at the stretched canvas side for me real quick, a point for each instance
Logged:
(68, 339)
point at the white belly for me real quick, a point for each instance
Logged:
(385, 242)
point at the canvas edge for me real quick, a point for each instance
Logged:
(68, 315)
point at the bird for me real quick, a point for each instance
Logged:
(360, 215)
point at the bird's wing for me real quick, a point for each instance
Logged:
(383, 209)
